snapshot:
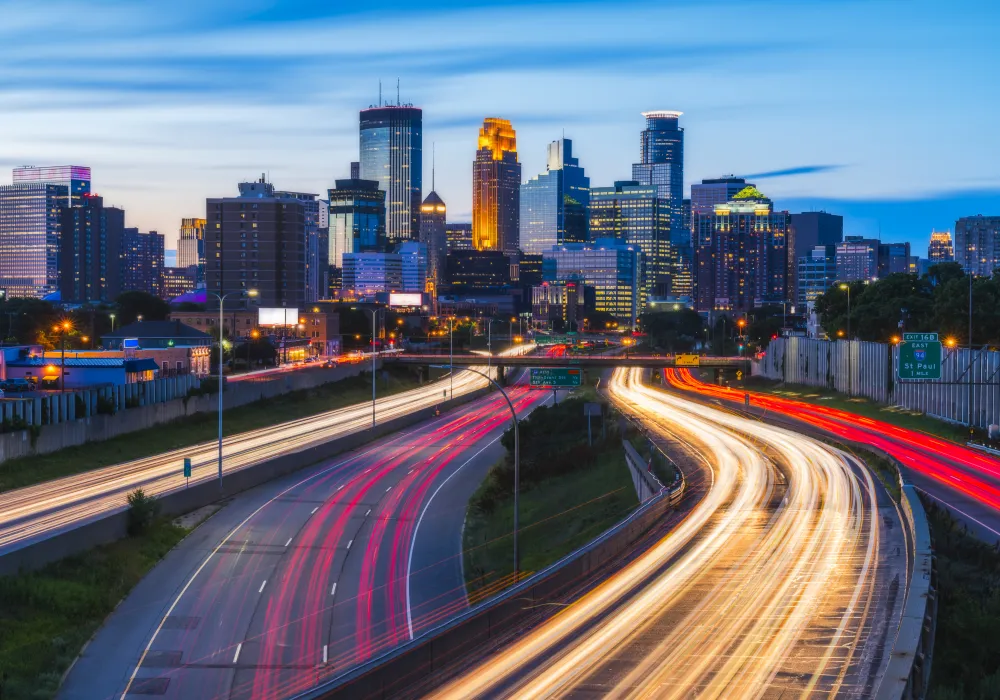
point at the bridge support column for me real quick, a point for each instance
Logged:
(501, 375)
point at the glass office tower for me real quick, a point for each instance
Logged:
(76, 179)
(392, 155)
(434, 234)
(496, 188)
(662, 166)
(608, 266)
(554, 204)
(357, 219)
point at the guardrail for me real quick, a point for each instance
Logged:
(399, 670)
(908, 674)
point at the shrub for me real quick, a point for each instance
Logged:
(142, 511)
(105, 406)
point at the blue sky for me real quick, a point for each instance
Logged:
(881, 110)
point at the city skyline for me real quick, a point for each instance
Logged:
(164, 133)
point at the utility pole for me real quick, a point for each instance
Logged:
(969, 370)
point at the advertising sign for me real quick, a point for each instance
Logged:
(278, 316)
(400, 299)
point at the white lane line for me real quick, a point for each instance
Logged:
(388, 489)
(369, 512)
(340, 487)
(314, 510)
(409, 472)
(288, 542)
(367, 470)
(958, 510)
(349, 543)
(324, 653)
(236, 656)
(261, 589)
(333, 589)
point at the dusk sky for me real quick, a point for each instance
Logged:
(884, 111)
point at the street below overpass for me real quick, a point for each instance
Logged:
(308, 575)
(786, 580)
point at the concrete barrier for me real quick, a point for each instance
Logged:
(646, 485)
(112, 526)
(393, 673)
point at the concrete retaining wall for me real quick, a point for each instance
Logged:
(391, 674)
(97, 427)
(646, 485)
(112, 526)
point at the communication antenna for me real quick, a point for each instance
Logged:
(433, 164)
(380, 92)
(398, 103)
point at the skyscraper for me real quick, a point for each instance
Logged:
(434, 235)
(743, 254)
(811, 229)
(977, 244)
(357, 219)
(392, 155)
(90, 251)
(817, 272)
(413, 265)
(30, 226)
(707, 193)
(142, 261)
(459, 236)
(893, 258)
(610, 267)
(496, 186)
(554, 204)
(662, 166)
(256, 241)
(316, 257)
(940, 248)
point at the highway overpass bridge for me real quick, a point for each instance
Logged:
(646, 361)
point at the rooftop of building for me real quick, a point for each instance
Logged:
(749, 192)
(140, 364)
(157, 329)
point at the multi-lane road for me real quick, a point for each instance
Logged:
(786, 580)
(306, 576)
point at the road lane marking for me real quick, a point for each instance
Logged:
(340, 487)
(369, 512)
(261, 590)
(388, 489)
(958, 510)
(349, 543)
(236, 656)
(314, 510)
(333, 590)
(288, 542)
(324, 653)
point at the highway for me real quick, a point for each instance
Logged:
(349, 559)
(38, 512)
(785, 580)
(962, 479)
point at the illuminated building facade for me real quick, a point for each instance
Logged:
(554, 204)
(142, 261)
(496, 188)
(191, 245)
(477, 270)
(413, 265)
(743, 254)
(977, 244)
(434, 235)
(75, 178)
(392, 155)
(857, 259)
(365, 274)
(662, 167)
(356, 219)
(941, 248)
(817, 272)
(459, 236)
(608, 266)
(90, 254)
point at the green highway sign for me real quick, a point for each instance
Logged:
(556, 376)
(920, 356)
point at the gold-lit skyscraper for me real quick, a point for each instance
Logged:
(191, 244)
(496, 187)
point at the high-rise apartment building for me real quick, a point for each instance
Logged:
(434, 235)
(459, 236)
(30, 226)
(554, 204)
(392, 155)
(635, 214)
(90, 252)
(142, 261)
(256, 241)
(662, 166)
(977, 244)
(940, 248)
(609, 266)
(496, 187)
(743, 254)
(817, 272)
(356, 219)
(857, 259)
(191, 246)
(315, 270)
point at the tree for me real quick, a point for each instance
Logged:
(601, 321)
(133, 304)
(673, 331)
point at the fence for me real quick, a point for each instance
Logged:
(861, 368)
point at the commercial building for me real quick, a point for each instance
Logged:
(707, 193)
(357, 219)
(459, 237)
(366, 274)
(893, 258)
(558, 305)
(610, 267)
(191, 246)
(977, 244)
(496, 188)
(142, 261)
(817, 272)
(857, 259)
(635, 214)
(554, 204)
(90, 251)
(316, 217)
(434, 235)
(177, 281)
(30, 224)
(318, 324)
(940, 248)
(477, 270)
(256, 241)
(392, 155)
(662, 166)
(743, 254)
(413, 266)
(816, 228)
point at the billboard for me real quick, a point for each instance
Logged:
(399, 299)
(278, 317)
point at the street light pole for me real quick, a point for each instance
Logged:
(969, 370)
(517, 462)
(451, 354)
(374, 311)
(850, 383)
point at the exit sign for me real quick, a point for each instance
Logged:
(560, 377)
(920, 356)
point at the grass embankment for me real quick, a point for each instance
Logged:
(911, 420)
(570, 493)
(47, 616)
(966, 662)
(192, 430)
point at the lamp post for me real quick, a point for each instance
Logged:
(850, 383)
(517, 461)
(451, 355)
(62, 329)
(112, 322)
(969, 370)
(374, 313)
(222, 304)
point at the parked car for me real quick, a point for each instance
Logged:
(16, 385)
